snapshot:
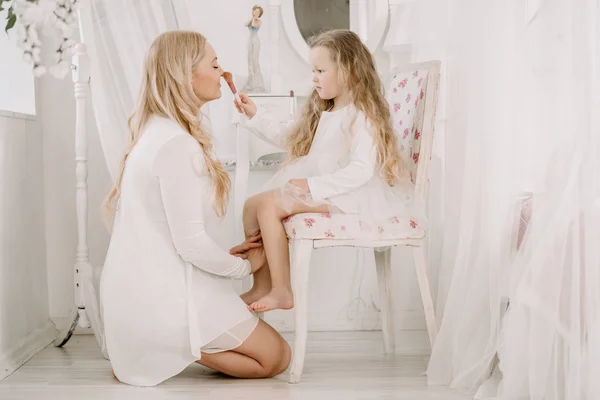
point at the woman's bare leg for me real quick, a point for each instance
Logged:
(275, 242)
(263, 355)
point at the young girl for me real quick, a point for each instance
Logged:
(343, 157)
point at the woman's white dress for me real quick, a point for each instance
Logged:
(341, 170)
(166, 291)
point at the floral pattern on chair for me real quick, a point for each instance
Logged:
(405, 96)
(347, 226)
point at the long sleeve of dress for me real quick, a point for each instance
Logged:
(268, 128)
(183, 186)
(360, 169)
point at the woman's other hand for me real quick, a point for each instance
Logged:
(253, 242)
(257, 259)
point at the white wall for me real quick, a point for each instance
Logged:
(16, 85)
(25, 327)
(354, 302)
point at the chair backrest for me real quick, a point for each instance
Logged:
(412, 93)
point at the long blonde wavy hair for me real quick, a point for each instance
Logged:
(358, 77)
(166, 91)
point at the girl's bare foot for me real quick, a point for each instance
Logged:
(254, 294)
(276, 299)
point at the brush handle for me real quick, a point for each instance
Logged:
(239, 100)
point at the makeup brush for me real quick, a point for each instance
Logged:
(228, 76)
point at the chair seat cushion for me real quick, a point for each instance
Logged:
(348, 226)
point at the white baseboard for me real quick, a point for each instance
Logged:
(26, 348)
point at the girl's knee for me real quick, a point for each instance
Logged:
(251, 204)
(266, 206)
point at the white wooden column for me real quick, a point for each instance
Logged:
(82, 268)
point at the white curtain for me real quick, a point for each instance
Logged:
(521, 86)
(118, 34)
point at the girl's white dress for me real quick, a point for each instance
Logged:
(341, 170)
(166, 291)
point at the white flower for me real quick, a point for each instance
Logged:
(39, 70)
(60, 70)
(21, 44)
(60, 25)
(20, 6)
(21, 30)
(51, 20)
(34, 14)
(61, 12)
(71, 19)
(56, 19)
(33, 35)
(67, 31)
(47, 5)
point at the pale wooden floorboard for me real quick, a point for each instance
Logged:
(339, 365)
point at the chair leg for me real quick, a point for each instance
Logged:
(383, 262)
(300, 265)
(424, 287)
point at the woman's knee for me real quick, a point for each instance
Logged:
(269, 348)
(278, 364)
(286, 357)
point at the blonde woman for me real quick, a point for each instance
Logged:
(166, 291)
(343, 157)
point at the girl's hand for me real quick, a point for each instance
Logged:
(301, 183)
(247, 106)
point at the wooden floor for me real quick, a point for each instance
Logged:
(339, 365)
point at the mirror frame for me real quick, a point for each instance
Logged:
(374, 38)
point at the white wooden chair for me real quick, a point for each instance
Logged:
(412, 94)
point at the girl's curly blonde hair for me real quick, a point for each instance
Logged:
(358, 76)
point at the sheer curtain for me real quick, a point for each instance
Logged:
(117, 35)
(521, 84)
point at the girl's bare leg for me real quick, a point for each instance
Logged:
(269, 216)
(261, 280)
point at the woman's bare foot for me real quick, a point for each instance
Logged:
(254, 294)
(277, 299)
